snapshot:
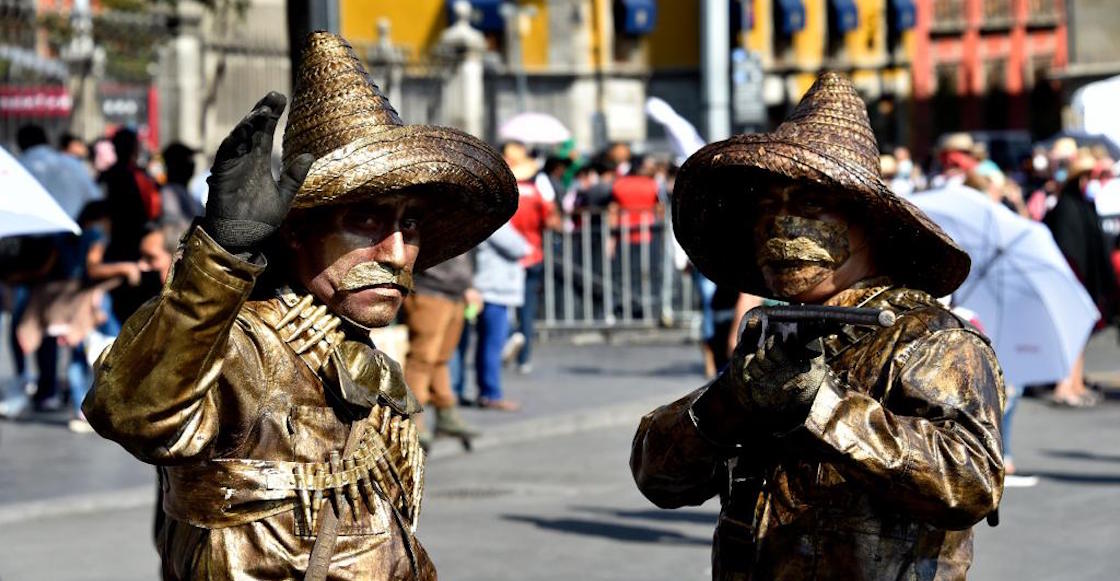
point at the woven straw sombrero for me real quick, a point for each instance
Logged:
(827, 140)
(363, 149)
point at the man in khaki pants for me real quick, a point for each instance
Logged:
(435, 315)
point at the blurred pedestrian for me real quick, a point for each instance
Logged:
(636, 209)
(1077, 230)
(500, 279)
(103, 156)
(72, 145)
(888, 168)
(908, 170)
(956, 159)
(594, 187)
(90, 268)
(70, 184)
(178, 203)
(154, 253)
(435, 313)
(620, 154)
(534, 215)
(133, 197)
(63, 176)
(134, 201)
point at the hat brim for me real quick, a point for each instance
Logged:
(714, 214)
(471, 188)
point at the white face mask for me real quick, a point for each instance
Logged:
(905, 168)
(1039, 163)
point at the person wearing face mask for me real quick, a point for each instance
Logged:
(868, 453)
(284, 440)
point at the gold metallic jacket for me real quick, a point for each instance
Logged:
(898, 458)
(244, 407)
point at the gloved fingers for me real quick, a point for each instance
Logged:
(241, 139)
(264, 118)
(294, 175)
(799, 349)
(261, 119)
(750, 328)
(273, 101)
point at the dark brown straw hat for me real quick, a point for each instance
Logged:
(827, 140)
(363, 149)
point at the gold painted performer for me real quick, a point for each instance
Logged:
(869, 455)
(283, 438)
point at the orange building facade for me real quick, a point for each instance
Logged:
(987, 65)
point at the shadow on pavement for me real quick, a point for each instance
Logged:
(690, 369)
(685, 516)
(609, 530)
(1082, 455)
(1074, 478)
(56, 419)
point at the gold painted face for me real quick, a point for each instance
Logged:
(800, 238)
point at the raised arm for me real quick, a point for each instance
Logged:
(156, 391)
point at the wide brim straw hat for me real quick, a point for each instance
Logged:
(363, 150)
(827, 140)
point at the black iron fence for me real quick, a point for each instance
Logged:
(614, 270)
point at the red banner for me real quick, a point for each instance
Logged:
(34, 101)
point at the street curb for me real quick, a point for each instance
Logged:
(613, 416)
(126, 499)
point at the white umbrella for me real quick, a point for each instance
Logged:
(683, 135)
(1028, 300)
(540, 128)
(25, 206)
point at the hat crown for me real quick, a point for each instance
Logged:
(335, 101)
(832, 117)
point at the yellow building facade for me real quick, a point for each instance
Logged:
(792, 60)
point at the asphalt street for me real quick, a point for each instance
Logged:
(548, 494)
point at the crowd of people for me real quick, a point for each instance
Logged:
(69, 294)
(492, 296)
(67, 301)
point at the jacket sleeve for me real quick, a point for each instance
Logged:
(509, 243)
(155, 390)
(933, 450)
(672, 463)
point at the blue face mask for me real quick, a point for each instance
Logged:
(1061, 174)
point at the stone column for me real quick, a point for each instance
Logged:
(387, 60)
(180, 81)
(463, 104)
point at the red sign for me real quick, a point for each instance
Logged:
(34, 101)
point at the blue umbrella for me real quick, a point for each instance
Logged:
(1031, 305)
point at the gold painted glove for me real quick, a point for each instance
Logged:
(778, 381)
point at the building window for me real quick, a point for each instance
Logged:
(948, 16)
(997, 14)
(1043, 13)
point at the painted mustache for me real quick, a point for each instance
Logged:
(367, 274)
(799, 249)
(798, 239)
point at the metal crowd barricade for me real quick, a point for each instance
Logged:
(601, 275)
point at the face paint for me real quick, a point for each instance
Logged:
(367, 274)
(796, 253)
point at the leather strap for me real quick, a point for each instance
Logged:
(319, 563)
